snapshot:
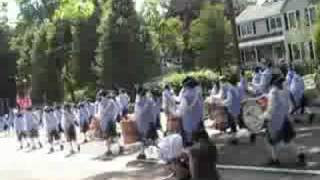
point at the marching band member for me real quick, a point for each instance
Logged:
(266, 76)
(69, 122)
(256, 80)
(109, 114)
(243, 85)
(31, 128)
(19, 128)
(190, 110)
(51, 125)
(84, 121)
(123, 99)
(279, 128)
(168, 101)
(144, 114)
(296, 89)
(232, 103)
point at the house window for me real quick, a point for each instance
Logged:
(313, 15)
(275, 24)
(278, 52)
(296, 51)
(306, 17)
(311, 50)
(294, 18)
(247, 29)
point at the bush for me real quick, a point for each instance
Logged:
(205, 78)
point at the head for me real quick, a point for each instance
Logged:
(233, 79)
(277, 81)
(257, 69)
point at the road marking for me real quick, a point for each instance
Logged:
(269, 170)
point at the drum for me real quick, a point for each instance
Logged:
(219, 115)
(94, 127)
(252, 111)
(174, 124)
(129, 130)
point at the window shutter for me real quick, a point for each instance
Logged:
(254, 28)
(239, 31)
(290, 52)
(298, 18)
(267, 23)
(286, 21)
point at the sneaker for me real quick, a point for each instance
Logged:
(108, 153)
(302, 159)
(142, 156)
(273, 162)
(51, 150)
(253, 138)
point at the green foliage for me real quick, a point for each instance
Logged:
(208, 37)
(205, 77)
(74, 9)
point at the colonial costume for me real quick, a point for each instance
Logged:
(19, 128)
(123, 101)
(279, 128)
(190, 109)
(109, 115)
(296, 89)
(84, 118)
(51, 125)
(68, 125)
(31, 126)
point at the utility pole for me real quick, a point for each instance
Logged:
(232, 18)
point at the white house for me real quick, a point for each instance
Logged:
(277, 30)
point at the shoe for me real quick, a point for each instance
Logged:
(72, 152)
(142, 156)
(253, 138)
(51, 151)
(108, 153)
(33, 148)
(85, 141)
(40, 145)
(273, 162)
(79, 148)
(234, 142)
(302, 159)
(61, 147)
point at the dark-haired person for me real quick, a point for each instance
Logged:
(190, 110)
(19, 128)
(279, 129)
(69, 126)
(232, 103)
(109, 112)
(123, 100)
(32, 128)
(84, 121)
(51, 125)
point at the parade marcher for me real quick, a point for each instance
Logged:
(190, 110)
(68, 124)
(168, 101)
(109, 112)
(31, 127)
(279, 128)
(232, 103)
(243, 85)
(84, 121)
(296, 89)
(256, 80)
(123, 99)
(156, 98)
(19, 128)
(266, 76)
(51, 125)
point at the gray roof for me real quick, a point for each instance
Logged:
(263, 11)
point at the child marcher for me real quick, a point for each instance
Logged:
(51, 125)
(69, 127)
(19, 128)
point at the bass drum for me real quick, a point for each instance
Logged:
(252, 111)
(129, 130)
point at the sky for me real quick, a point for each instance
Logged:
(13, 9)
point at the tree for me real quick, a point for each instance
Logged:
(208, 34)
(123, 46)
